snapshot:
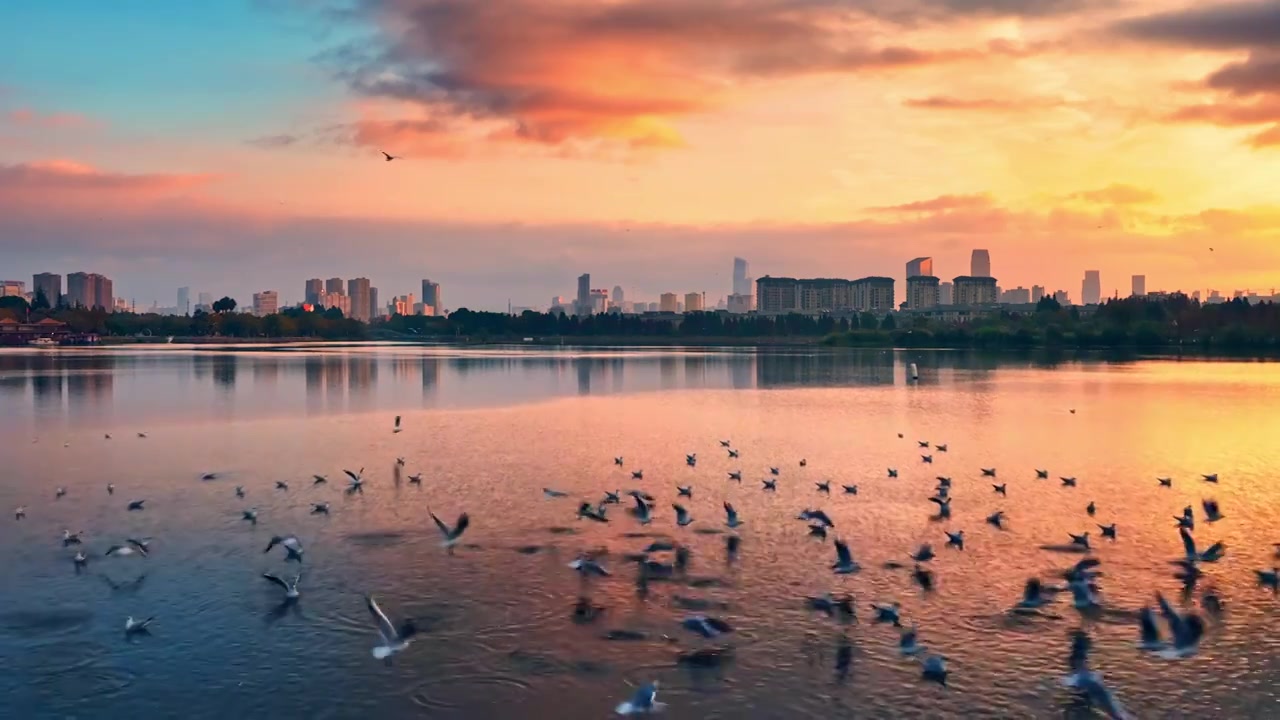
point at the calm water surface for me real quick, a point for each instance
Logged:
(489, 429)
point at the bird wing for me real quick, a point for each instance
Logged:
(385, 628)
(354, 477)
(1214, 551)
(1032, 589)
(1171, 616)
(942, 502)
(730, 513)
(681, 513)
(1079, 658)
(1188, 542)
(1150, 631)
(842, 553)
(275, 579)
(641, 506)
(463, 521)
(111, 550)
(444, 529)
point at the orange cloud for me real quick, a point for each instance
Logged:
(1117, 194)
(947, 102)
(941, 204)
(26, 117)
(64, 183)
(1267, 138)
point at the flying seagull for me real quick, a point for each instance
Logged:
(1165, 482)
(988, 472)
(389, 157)
(1212, 477)
(19, 512)
(132, 626)
(1042, 474)
(850, 489)
(685, 491)
(1211, 512)
(290, 588)
(1068, 481)
(1091, 508)
(955, 539)
(926, 458)
(733, 454)
(1088, 682)
(893, 472)
(1213, 554)
(1000, 488)
(291, 544)
(415, 479)
(824, 486)
(707, 627)
(617, 461)
(239, 491)
(111, 488)
(282, 485)
(770, 484)
(319, 479)
(397, 427)
(1108, 531)
(136, 504)
(644, 701)
(393, 639)
(682, 515)
(941, 448)
(251, 515)
(320, 508)
(587, 567)
(452, 534)
(637, 474)
(736, 476)
(731, 516)
(934, 668)
(844, 564)
(642, 510)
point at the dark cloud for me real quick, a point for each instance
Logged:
(1259, 74)
(1222, 26)
(942, 203)
(274, 141)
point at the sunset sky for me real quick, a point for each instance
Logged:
(234, 145)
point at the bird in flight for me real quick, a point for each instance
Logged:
(389, 156)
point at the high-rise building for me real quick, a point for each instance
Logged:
(599, 301)
(619, 297)
(1037, 292)
(334, 285)
(206, 302)
(48, 283)
(741, 279)
(920, 266)
(12, 288)
(777, 295)
(1062, 297)
(668, 303)
(315, 288)
(90, 290)
(266, 302)
(1091, 288)
(970, 290)
(431, 296)
(922, 292)
(740, 304)
(358, 291)
(1015, 296)
(693, 302)
(946, 293)
(979, 264)
(1139, 285)
(337, 300)
(106, 297)
(582, 305)
(375, 312)
(871, 294)
(184, 301)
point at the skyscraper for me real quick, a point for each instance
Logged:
(106, 296)
(583, 304)
(1091, 288)
(1037, 292)
(266, 302)
(358, 291)
(920, 266)
(741, 279)
(1139, 285)
(184, 301)
(48, 283)
(206, 301)
(668, 303)
(618, 296)
(431, 296)
(374, 310)
(693, 302)
(975, 290)
(922, 291)
(333, 285)
(980, 264)
(315, 288)
(90, 290)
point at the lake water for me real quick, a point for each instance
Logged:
(488, 429)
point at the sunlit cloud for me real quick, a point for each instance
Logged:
(26, 117)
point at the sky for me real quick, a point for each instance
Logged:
(235, 146)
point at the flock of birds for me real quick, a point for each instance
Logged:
(1081, 581)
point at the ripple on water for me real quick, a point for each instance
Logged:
(30, 624)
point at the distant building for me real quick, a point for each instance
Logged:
(1015, 296)
(653, 307)
(432, 295)
(786, 295)
(315, 288)
(1140, 285)
(90, 290)
(946, 292)
(922, 292)
(599, 301)
(266, 302)
(871, 294)
(979, 265)
(920, 266)
(741, 277)
(184, 301)
(1037, 292)
(375, 311)
(13, 288)
(337, 300)
(777, 295)
(358, 291)
(1195, 295)
(205, 303)
(582, 305)
(972, 290)
(1091, 288)
(407, 305)
(693, 302)
(48, 283)
(619, 297)
(1062, 297)
(668, 303)
(334, 285)
(740, 304)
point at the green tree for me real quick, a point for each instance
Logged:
(225, 305)
(40, 301)
(888, 323)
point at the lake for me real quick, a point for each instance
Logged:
(488, 429)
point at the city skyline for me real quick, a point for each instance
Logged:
(892, 129)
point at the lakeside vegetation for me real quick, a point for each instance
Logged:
(1174, 321)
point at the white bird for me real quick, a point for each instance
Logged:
(844, 564)
(57, 494)
(70, 538)
(393, 639)
(731, 516)
(682, 515)
(290, 588)
(452, 534)
(586, 566)
(111, 488)
(644, 701)
(19, 512)
(1088, 682)
(291, 544)
(132, 626)
(80, 559)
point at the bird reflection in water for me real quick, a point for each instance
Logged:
(844, 657)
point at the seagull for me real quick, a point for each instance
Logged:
(290, 588)
(1269, 578)
(682, 515)
(111, 488)
(923, 443)
(397, 427)
(136, 504)
(1068, 481)
(844, 564)
(19, 512)
(736, 476)
(773, 471)
(988, 472)
(1080, 540)
(818, 531)
(924, 554)
(907, 642)
(935, 669)
(642, 512)
(887, 613)
(1091, 509)
(588, 511)
(611, 498)
(400, 461)
(586, 566)
(319, 479)
(941, 448)
(955, 539)
(1042, 474)
(107, 436)
(389, 157)
(452, 534)
(691, 460)
(850, 489)
(816, 516)
(901, 436)
(893, 472)
(320, 508)
(1082, 594)
(943, 481)
(1150, 632)
(733, 454)
(1032, 595)
(1165, 482)
(731, 516)
(644, 701)
(57, 494)
(1187, 630)
(824, 486)
(1213, 554)
(923, 578)
(70, 538)
(251, 515)
(1073, 411)
(292, 546)
(1187, 520)
(617, 461)
(707, 627)
(926, 458)
(142, 435)
(393, 640)
(996, 518)
(239, 491)
(126, 550)
(80, 560)
(282, 485)
(828, 604)
(554, 493)
(1000, 489)
(637, 474)
(685, 491)
(1211, 513)
(415, 479)
(1108, 531)
(1213, 477)
(770, 484)
(132, 626)
(1088, 682)
(725, 444)
(944, 506)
